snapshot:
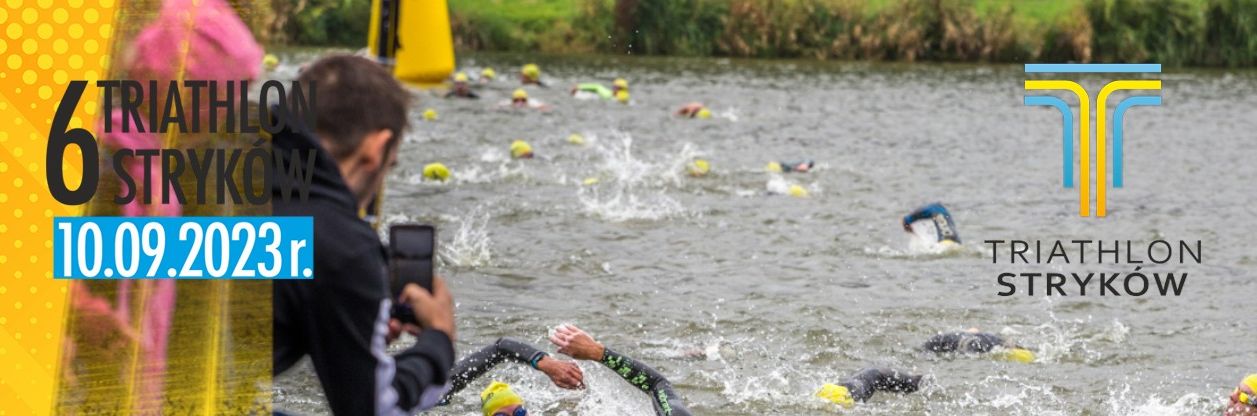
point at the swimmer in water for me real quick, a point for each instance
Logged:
(694, 110)
(973, 341)
(487, 75)
(801, 166)
(861, 386)
(462, 89)
(564, 374)
(519, 99)
(530, 74)
(943, 224)
(577, 344)
(591, 90)
(1243, 400)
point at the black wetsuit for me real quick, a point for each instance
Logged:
(863, 384)
(475, 365)
(665, 401)
(454, 94)
(340, 318)
(963, 342)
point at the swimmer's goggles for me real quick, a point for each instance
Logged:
(519, 411)
(1245, 398)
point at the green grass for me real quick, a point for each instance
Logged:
(518, 10)
(1173, 32)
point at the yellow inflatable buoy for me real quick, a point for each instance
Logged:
(521, 149)
(797, 191)
(429, 114)
(699, 167)
(576, 139)
(622, 96)
(773, 167)
(836, 394)
(270, 62)
(704, 113)
(436, 172)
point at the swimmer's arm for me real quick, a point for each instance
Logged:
(475, 365)
(665, 401)
(923, 213)
(870, 380)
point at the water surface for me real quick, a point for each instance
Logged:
(750, 301)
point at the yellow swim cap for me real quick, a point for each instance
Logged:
(460, 77)
(620, 83)
(488, 73)
(1017, 355)
(576, 139)
(699, 167)
(773, 167)
(836, 394)
(519, 94)
(497, 396)
(797, 191)
(622, 96)
(1251, 382)
(521, 149)
(436, 172)
(270, 62)
(704, 113)
(429, 114)
(531, 71)
(592, 180)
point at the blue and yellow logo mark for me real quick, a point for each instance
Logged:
(1084, 119)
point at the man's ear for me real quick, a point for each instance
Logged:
(374, 148)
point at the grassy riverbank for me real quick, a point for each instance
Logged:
(1173, 32)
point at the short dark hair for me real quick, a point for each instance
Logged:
(356, 96)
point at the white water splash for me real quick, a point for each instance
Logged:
(469, 246)
(630, 188)
(1126, 402)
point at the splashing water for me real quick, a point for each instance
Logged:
(1128, 402)
(469, 246)
(632, 190)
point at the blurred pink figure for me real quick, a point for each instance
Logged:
(218, 47)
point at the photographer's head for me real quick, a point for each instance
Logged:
(360, 119)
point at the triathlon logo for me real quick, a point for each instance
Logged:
(1084, 118)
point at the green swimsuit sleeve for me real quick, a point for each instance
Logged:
(665, 401)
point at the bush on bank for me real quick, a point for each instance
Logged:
(1173, 32)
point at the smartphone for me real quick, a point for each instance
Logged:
(412, 250)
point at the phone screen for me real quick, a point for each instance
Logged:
(413, 248)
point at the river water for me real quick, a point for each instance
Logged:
(749, 301)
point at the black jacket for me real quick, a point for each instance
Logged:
(340, 318)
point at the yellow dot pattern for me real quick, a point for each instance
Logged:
(45, 45)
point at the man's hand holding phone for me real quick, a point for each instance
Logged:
(432, 310)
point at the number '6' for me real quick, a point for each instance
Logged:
(59, 139)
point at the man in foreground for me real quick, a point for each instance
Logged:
(340, 319)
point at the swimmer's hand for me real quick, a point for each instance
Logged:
(433, 310)
(575, 343)
(565, 374)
